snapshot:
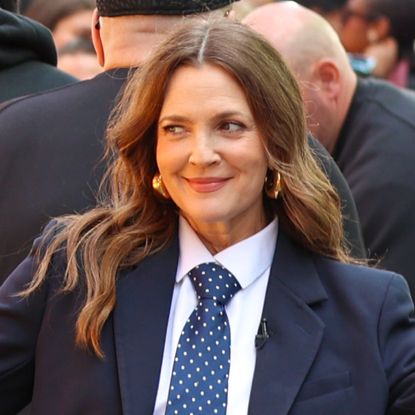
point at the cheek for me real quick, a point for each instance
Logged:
(159, 152)
(255, 169)
(170, 157)
(354, 37)
(164, 163)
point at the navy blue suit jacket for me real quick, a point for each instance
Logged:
(342, 342)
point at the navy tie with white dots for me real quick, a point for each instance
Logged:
(199, 382)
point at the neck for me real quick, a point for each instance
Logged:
(350, 85)
(122, 54)
(219, 235)
(128, 40)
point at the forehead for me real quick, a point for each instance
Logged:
(197, 86)
(202, 73)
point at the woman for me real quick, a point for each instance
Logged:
(212, 185)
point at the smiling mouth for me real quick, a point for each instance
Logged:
(206, 185)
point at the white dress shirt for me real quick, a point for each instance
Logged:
(249, 261)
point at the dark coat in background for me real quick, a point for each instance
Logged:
(376, 153)
(51, 148)
(27, 58)
(342, 341)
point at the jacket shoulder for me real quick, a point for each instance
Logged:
(358, 279)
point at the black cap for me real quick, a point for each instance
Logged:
(113, 8)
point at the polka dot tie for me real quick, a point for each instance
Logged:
(199, 382)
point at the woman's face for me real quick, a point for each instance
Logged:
(210, 153)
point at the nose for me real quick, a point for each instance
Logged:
(204, 150)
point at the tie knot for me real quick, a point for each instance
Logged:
(213, 281)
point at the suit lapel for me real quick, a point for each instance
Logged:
(284, 361)
(142, 312)
(140, 323)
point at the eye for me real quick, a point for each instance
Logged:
(174, 129)
(232, 126)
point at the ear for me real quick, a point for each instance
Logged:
(327, 76)
(96, 37)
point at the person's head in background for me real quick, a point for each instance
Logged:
(125, 33)
(366, 22)
(10, 5)
(314, 52)
(384, 29)
(331, 10)
(78, 58)
(67, 19)
(70, 24)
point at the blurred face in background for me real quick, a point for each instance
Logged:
(355, 26)
(70, 24)
(72, 27)
(81, 64)
(76, 54)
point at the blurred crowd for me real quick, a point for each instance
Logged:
(70, 24)
(379, 35)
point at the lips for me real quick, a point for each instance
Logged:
(206, 184)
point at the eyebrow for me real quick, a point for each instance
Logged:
(224, 114)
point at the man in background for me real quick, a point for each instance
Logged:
(367, 125)
(27, 55)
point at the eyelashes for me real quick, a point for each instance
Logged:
(174, 129)
(232, 126)
(224, 127)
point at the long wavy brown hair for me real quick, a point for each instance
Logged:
(132, 221)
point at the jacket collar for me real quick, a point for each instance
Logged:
(295, 330)
(140, 323)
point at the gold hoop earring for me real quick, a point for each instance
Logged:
(159, 187)
(273, 186)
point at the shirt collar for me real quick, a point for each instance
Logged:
(246, 260)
